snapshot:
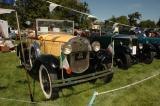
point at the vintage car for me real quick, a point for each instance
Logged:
(133, 49)
(101, 59)
(128, 49)
(152, 37)
(57, 59)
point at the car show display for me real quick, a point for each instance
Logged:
(59, 59)
(55, 55)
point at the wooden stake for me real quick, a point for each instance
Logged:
(23, 56)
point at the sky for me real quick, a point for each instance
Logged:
(105, 9)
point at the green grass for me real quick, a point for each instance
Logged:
(13, 84)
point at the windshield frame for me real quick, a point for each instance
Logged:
(53, 20)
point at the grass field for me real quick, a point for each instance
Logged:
(13, 84)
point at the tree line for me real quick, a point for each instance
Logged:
(134, 19)
(29, 10)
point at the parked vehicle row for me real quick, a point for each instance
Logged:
(56, 58)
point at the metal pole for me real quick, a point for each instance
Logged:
(93, 98)
(22, 49)
(112, 52)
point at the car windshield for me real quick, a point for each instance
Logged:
(45, 26)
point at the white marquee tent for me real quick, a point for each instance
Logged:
(3, 23)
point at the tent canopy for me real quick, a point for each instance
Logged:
(4, 24)
(4, 11)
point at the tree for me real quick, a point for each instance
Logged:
(113, 19)
(147, 24)
(32, 9)
(122, 20)
(133, 18)
(158, 23)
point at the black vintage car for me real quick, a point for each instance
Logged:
(127, 49)
(101, 60)
(132, 47)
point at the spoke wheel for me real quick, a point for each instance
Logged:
(45, 77)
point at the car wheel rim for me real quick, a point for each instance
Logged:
(45, 81)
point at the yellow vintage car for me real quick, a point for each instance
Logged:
(56, 57)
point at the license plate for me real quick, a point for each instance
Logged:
(80, 56)
(134, 49)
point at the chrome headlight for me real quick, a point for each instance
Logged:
(121, 43)
(130, 46)
(96, 46)
(67, 48)
(140, 46)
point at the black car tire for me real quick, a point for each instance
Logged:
(149, 57)
(125, 61)
(157, 55)
(46, 76)
(107, 78)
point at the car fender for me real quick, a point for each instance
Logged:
(104, 56)
(48, 60)
(34, 47)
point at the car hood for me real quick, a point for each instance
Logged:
(56, 37)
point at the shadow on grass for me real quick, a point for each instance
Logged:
(22, 81)
(95, 86)
(3, 87)
(70, 87)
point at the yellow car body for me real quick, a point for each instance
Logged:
(51, 43)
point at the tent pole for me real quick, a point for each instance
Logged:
(23, 56)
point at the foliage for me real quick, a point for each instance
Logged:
(147, 24)
(158, 23)
(134, 17)
(132, 20)
(29, 10)
(122, 20)
(113, 19)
